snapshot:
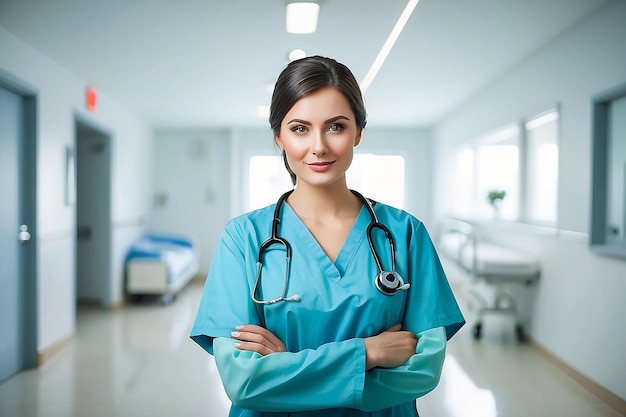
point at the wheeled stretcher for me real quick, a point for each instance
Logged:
(493, 264)
(160, 264)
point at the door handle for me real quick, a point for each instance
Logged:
(24, 235)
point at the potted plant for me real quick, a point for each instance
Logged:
(495, 197)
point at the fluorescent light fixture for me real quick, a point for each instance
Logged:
(302, 17)
(296, 54)
(391, 40)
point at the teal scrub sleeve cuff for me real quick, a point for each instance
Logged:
(388, 387)
(331, 376)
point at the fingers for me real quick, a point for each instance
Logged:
(254, 347)
(257, 339)
(390, 348)
(258, 334)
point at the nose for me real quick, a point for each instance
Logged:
(319, 148)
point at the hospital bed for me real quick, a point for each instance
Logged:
(160, 264)
(492, 264)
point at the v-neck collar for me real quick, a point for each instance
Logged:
(306, 240)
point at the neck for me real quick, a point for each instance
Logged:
(321, 202)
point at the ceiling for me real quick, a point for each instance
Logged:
(210, 63)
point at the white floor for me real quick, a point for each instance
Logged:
(140, 362)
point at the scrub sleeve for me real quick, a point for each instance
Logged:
(330, 378)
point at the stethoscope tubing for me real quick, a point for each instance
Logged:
(276, 239)
(375, 224)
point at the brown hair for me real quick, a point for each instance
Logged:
(308, 75)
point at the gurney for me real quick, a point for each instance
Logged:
(492, 264)
(160, 264)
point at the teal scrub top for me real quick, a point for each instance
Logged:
(323, 370)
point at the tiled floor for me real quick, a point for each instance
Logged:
(139, 362)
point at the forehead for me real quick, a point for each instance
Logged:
(322, 104)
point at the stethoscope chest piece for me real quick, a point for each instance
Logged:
(390, 283)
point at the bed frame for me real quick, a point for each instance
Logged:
(160, 264)
(491, 263)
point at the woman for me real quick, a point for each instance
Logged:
(308, 330)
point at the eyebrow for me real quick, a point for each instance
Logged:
(331, 120)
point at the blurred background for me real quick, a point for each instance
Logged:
(119, 119)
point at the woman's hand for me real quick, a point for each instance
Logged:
(390, 348)
(257, 339)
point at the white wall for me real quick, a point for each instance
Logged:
(191, 171)
(60, 96)
(579, 301)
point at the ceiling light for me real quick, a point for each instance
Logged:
(296, 54)
(391, 40)
(302, 17)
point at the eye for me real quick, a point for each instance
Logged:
(336, 127)
(299, 129)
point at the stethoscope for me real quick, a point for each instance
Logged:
(387, 282)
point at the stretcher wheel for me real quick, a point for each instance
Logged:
(477, 331)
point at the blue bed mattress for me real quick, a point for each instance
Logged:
(177, 253)
(153, 246)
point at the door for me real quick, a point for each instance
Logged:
(93, 213)
(14, 234)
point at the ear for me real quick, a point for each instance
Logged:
(357, 139)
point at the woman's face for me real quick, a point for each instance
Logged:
(319, 134)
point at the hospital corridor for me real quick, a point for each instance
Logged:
(330, 163)
(140, 362)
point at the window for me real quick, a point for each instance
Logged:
(497, 169)
(268, 180)
(491, 164)
(542, 162)
(380, 177)
(520, 162)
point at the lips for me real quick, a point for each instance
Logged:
(321, 166)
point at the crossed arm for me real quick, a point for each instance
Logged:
(390, 348)
(372, 373)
